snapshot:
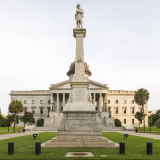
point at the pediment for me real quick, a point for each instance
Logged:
(64, 84)
(97, 85)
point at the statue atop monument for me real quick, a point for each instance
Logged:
(79, 16)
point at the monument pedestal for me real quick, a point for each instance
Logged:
(79, 129)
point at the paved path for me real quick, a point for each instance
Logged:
(13, 135)
(146, 135)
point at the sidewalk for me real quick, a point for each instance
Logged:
(13, 135)
(146, 135)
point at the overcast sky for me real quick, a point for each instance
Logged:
(122, 44)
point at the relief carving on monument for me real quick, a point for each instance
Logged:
(89, 97)
(79, 59)
(70, 97)
(79, 16)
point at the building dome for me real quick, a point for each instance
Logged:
(71, 71)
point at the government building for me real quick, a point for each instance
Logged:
(110, 104)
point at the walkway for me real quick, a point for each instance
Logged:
(146, 135)
(13, 135)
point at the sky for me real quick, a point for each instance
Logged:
(121, 47)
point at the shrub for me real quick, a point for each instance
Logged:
(40, 122)
(117, 123)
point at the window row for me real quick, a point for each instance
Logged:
(124, 111)
(124, 101)
(33, 101)
(124, 121)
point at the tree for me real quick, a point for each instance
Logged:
(28, 117)
(141, 96)
(15, 107)
(155, 117)
(157, 124)
(117, 123)
(11, 118)
(139, 116)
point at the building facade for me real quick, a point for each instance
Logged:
(115, 103)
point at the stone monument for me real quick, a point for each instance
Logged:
(79, 127)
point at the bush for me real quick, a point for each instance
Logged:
(3, 121)
(40, 122)
(117, 123)
(157, 124)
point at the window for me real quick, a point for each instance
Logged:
(61, 99)
(96, 99)
(116, 110)
(61, 108)
(25, 101)
(124, 121)
(125, 110)
(124, 101)
(33, 101)
(41, 110)
(49, 101)
(41, 101)
(116, 101)
(132, 121)
(132, 110)
(108, 101)
(33, 111)
(25, 109)
(132, 101)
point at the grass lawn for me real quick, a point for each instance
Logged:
(148, 128)
(25, 148)
(4, 130)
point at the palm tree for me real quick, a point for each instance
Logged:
(15, 107)
(141, 96)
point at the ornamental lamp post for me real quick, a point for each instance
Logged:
(48, 107)
(8, 121)
(150, 119)
(52, 106)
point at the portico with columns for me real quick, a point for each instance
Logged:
(60, 95)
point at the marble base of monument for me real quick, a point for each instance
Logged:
(79, 129)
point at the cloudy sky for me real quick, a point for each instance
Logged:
(122, 44)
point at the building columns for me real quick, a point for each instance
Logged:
(94, 97)
(58, 102)
(63, 100)
(100, 102)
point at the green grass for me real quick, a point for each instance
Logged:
(135, 148)
(4, 130)
(148, 128)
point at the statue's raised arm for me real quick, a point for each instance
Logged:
(79, 16)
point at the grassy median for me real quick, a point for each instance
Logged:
(25, 148)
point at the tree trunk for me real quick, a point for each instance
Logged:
(14, 122)
(143, 119)
(139, 123)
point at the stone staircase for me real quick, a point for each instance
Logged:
(57, 121)
(104, 125)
